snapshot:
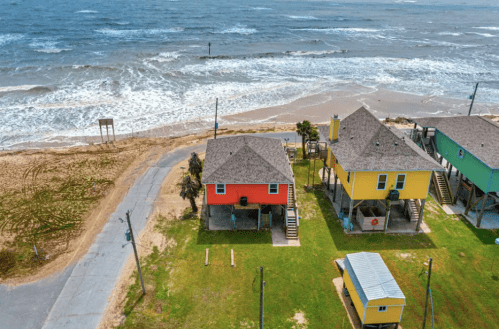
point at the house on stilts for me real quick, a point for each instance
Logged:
(249, 185)
(470, 144)
(377, 177)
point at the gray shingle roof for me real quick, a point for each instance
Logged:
(371, 278)
(470, 132)
(246, 160)
(356, 149)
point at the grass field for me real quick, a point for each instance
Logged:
(183, 293)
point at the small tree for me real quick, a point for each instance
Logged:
(190, 190)
(303, 129)
(195, 166)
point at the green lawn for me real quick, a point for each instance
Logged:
(183, 293)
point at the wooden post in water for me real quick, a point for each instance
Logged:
(216, 123)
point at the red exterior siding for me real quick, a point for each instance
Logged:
(256, 193)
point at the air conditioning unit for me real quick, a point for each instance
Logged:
(243, 201)
(394, 195)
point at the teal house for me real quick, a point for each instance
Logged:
(471, 145)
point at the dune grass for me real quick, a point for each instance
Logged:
(183, 293)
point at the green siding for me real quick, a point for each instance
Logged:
(494, 183)
(469, 165)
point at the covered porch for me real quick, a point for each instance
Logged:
(374, 216)
(236, 217)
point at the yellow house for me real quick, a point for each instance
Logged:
(379, 163)
(374, 292)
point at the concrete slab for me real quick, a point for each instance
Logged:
(279, 238)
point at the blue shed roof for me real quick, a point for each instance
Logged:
(371, 278)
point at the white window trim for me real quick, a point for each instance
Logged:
(216, 189)
(386, 182)
(277, 188)
(397, 181)
(379, 308)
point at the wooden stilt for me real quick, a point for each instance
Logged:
(470, 199)
(341, 197)
(388, 206)
(259, 215)
(421, 212)
(350, 213)
(114, 137)
(480, 216)
(335, 183)
(450, 171)
(101, 138)
(107, 132)
(328, 178)
(457, 189)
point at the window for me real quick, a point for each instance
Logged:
(220, 188)
(348, 178)
(400, 182)
(382, 309)
(381, 182)
(336, 161)
(460, 153)
(273, 189)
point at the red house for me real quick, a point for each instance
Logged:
(248, 182)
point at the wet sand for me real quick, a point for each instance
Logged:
(316, 108)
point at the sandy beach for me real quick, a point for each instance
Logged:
(316, 108)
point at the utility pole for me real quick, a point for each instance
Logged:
(473, 99)
(135, 251)
(216, 123)
(262, 285)
(427, 293)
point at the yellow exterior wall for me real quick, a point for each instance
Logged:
(353, 294)
(392, 314)
(416, 185)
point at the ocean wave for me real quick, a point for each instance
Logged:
(87, 12)
(316, 53)
(128, 33)
(493, 28)
(340, 29)
(487, 35)
(261, 8)
(165, 57)
(6, 38)
(238, 29)
(17, 88)
(52, 51)
(302, 17)
(454, 34)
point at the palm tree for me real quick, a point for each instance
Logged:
(195, 166)
(190, 190)
(303, 129)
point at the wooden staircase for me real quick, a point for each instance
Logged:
(413, 209)
(430, 149)
(291, 215)
(442, 188)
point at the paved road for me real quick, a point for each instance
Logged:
(77, 297)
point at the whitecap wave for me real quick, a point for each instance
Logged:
(87, 12)
(52, 51)
(340, 29)
(487, 35)
(316, 53)
(454, 34)
(302, 17)
(6, 38)
(165, 57)
(17, 88)
(130, 33)
(493, 28)
(261, 8)
(238, 29)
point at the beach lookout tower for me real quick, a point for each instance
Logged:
(375, 294)
(471, 145)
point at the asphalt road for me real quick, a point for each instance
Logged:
(77, 297)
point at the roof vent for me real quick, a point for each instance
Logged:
(230, 153)
(377, 143)
(396, 143)
(482, 144)
(352, 138)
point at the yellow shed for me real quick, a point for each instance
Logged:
(375, 293)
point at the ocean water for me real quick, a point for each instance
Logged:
(64, 64)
